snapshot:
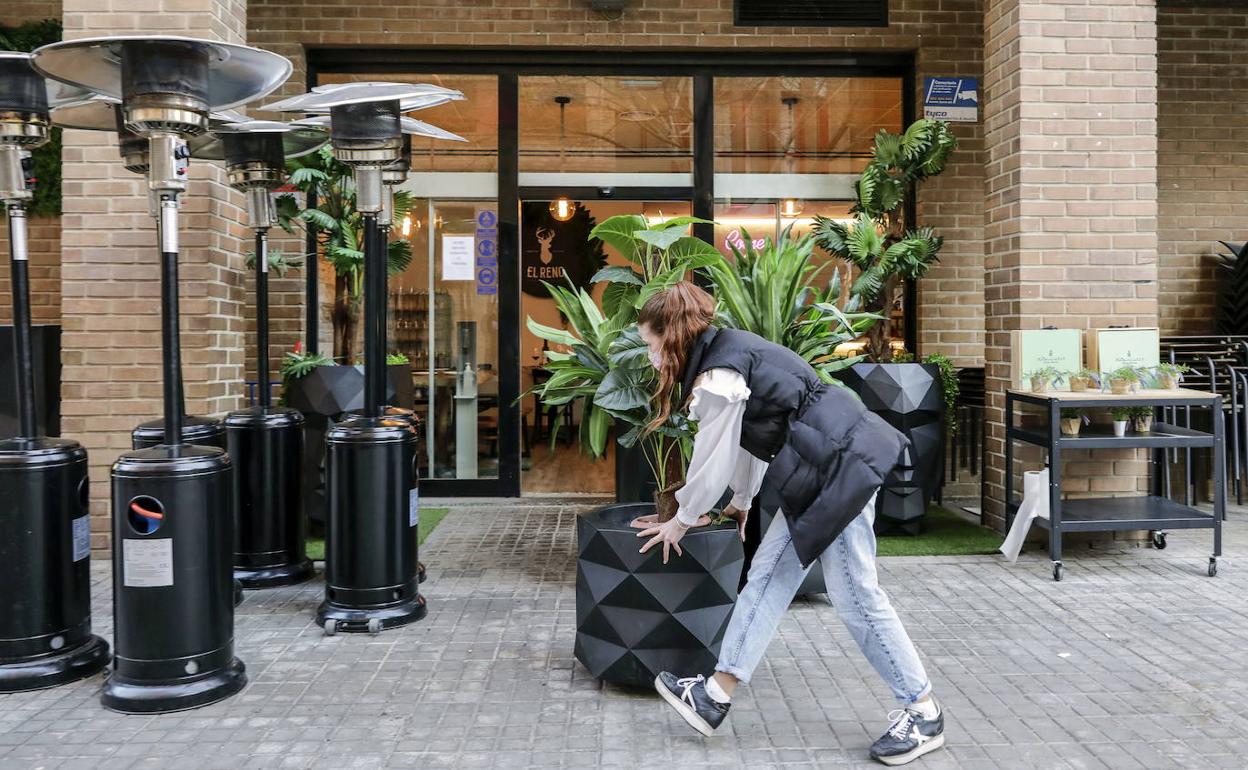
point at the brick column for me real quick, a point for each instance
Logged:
(110, 266)
(1071, 183)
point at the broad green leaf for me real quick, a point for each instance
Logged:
(617, 232)
(599, 423)
(622, 390)
(660, 239)
(557, 336)
(618, 274)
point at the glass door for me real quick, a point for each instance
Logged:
(558, 250)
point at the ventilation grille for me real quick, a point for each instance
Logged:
(812, 13)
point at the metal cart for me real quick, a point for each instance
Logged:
(1154, 513)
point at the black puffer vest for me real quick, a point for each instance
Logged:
(828, 454)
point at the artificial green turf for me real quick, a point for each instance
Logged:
(429, 518)
(944, 533)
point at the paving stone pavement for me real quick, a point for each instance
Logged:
(1135, 660)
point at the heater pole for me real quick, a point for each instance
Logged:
(25, 369)
(262, 316)
(374, 318)
(170, 354)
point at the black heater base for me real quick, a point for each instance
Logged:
(45, 566)
(203, 431)
(85, 660)
(273, 577)
(141, 697)
(334, 618)
(266, 446)
(238, 592)
(173, 585)
(371, 581)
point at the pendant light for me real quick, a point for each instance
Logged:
(561, 208)
(790, 208)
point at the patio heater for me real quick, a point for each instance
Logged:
(45, 533)
(392, 176)
(103, 113)
(370, 544)
(173, 504)
(266, 442)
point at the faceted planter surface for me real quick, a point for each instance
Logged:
(636, 616)
(909, 397)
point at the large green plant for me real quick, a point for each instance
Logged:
(605, 365)
(877, 242)
(776, 292)
(45, 160)
(339, 229)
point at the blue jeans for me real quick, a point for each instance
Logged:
(849, 574)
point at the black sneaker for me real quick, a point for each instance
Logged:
(690, 698)
(909, 737)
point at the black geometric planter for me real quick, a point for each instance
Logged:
(636, 616)
(909, 397)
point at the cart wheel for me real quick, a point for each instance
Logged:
(330, 627)
(1159, 541)
(1213, 567)
(374, 626)
(1057, 571)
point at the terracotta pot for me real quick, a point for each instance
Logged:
(1120, 387)
(1070, 425)
(1120, 427)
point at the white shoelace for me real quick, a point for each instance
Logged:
(903, 724)
(689, 683)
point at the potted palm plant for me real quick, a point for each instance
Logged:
(887, 253)
(636, 616)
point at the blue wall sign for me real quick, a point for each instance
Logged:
(487, 252)
(952, 99)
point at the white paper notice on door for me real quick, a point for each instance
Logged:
(457, 254)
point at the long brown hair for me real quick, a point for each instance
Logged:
(677, 315)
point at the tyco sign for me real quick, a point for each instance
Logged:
(953, 99)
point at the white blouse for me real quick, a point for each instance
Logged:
(718, 462)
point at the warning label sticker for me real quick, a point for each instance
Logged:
(413, 508)
(147, 563)
(82, 537)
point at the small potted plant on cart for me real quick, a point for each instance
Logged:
(1142, 419)
(1121, 416)
(1043, 379)
(1170, 375)
(1122, 381)
(1081, 380)
(1071, 421)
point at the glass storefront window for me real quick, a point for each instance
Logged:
(795, 125)
(606, 124)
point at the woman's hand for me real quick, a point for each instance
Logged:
(652, 520)
(739, 516)
(669, 533)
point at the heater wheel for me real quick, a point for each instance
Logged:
(374, 626)
(331, 627)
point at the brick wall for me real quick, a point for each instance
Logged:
(1071, 221)
(44, 243)
(1202, 171)
(945, 34)
(110, 273)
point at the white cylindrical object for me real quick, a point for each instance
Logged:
(169, 225)
(369, 189)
